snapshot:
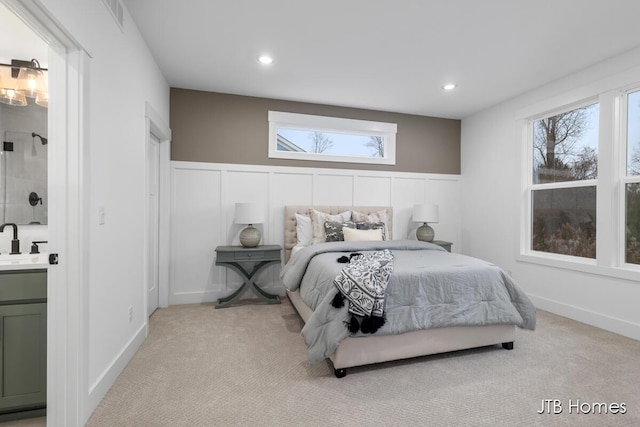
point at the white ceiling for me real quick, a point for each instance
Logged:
(391, 55)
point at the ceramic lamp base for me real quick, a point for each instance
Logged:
(250, 237)
(425, 233)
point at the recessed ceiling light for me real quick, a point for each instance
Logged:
(449, 86)
(265, 59)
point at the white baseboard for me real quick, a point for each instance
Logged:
(212, 296)
(599, 320)
(101, 386)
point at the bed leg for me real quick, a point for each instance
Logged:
(340, 373)
(507, 345)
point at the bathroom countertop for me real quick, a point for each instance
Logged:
(24, 261)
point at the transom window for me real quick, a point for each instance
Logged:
(331, 139)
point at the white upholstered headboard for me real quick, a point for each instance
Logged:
(290, 236)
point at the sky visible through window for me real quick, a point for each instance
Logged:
(340, 144)
(633, 133)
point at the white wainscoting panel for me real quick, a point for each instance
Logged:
(407, 191)
(203, 201)
(333, 189)
(196, 214)
(372, 190)
(446, 194)
(288, 189)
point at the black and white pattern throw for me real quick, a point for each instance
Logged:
(363, 283)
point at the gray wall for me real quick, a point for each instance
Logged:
(222, 128)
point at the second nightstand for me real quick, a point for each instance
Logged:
(443, 244)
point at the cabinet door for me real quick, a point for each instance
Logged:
(23, 356)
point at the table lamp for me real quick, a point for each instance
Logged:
(425, 214)
(249, 214)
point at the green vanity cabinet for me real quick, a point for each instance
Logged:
(23, 342)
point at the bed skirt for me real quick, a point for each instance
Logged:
(357, 351)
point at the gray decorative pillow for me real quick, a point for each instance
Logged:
(333, 230)
(319, 218)
(373, 226)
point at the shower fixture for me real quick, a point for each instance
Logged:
(42, 138)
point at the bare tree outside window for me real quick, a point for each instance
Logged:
(376, 144)
(319, 142)
(560, 152)
(633, 168)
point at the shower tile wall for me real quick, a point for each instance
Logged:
(23, 170)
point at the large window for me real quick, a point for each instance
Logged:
(632, 179)
(564, 179)
(331, 139)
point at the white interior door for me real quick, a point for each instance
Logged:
(153, 187)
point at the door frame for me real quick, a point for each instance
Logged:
(68, 185)
(157, 127)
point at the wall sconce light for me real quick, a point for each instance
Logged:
(10, 96)
(30, 82)
(425, 214)
(249, 214)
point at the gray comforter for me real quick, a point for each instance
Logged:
(429, 288)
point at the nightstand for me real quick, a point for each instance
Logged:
(443, 244)
(259, 257)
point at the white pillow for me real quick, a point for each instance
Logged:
(319, 218)
(304, 233)
(353, 235)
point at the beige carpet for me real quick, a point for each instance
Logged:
(246, 366)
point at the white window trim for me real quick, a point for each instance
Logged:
(612, 179)
(624, 178)
(527, 253)
(279, 119)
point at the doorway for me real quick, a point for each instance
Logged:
(158, 153)
(67, 214)
(153, 220)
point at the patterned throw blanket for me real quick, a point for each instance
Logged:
(363, 283)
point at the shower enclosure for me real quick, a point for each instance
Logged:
(23, 178)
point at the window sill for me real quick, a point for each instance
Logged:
(627, 272)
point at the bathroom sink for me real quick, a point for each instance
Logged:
(23, 261)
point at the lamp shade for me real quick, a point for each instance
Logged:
(426, 213)
(31, 82)
(8, 94)
(248, 213)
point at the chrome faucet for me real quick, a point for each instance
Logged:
(15, 243)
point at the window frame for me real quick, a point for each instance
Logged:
(611, 206)
(623, 177)
(307, 122)
(526, 238)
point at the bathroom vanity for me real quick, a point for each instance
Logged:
(23, 338)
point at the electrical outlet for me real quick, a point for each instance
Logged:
(130, 314)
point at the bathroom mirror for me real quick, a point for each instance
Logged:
(23, 164)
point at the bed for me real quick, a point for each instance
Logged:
(385, 345)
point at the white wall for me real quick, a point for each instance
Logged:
(492, 144)
(203, 197)
(122, 77)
